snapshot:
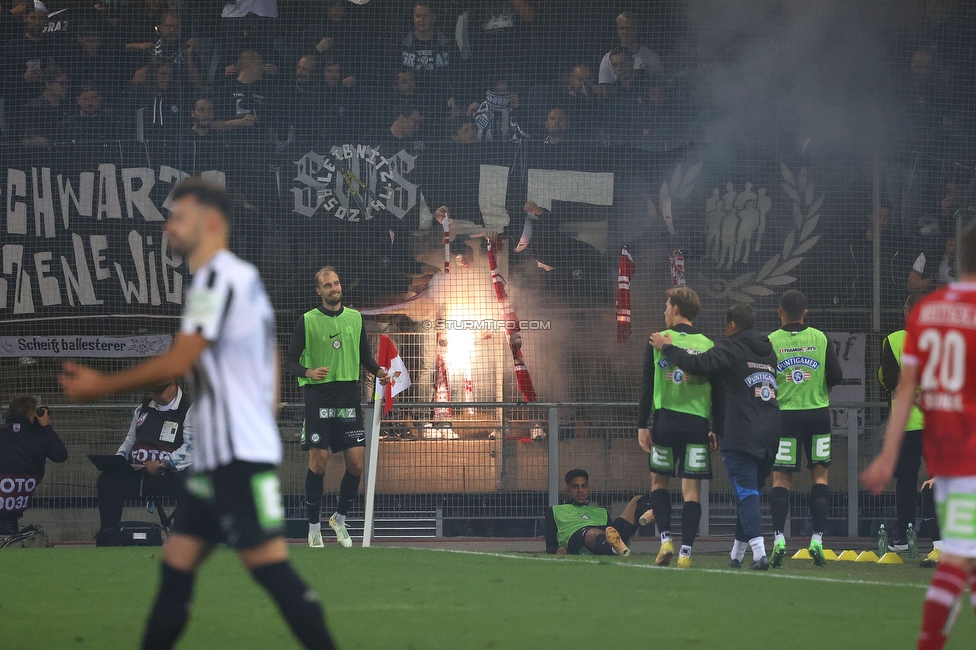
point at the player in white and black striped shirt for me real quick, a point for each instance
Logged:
(227, 343)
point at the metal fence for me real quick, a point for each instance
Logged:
(490, 471)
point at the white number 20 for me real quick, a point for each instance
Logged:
(946, 365)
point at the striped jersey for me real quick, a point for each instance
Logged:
(235, 378)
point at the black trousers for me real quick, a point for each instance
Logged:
(906, 485)
(114, 489)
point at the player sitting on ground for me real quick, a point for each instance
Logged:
(577, 528)
(681, 438)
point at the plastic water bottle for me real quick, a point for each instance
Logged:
(912, 542)
(882, 540)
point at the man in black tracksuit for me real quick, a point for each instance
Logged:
(742, 370)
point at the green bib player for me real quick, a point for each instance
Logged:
(577, 528)
(328, 345)
(679, 442)
(805, 370)
(910, 455)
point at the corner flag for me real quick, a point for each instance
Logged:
(389, 359)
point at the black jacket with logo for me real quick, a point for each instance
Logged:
(742, 370)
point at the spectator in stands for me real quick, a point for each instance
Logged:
(462, 130)
(627, 99)
(157, 104)
(249, 25)
(495, 117)
(301, 102)
(96, 59)
(926, 275)
(27, 441)
(495, 35)
(202, 116)
(576, 527)
(160, 444)
(40, 117)
(557, 127)
(248, 101)
(642, 57)
(205, 145)
(429, 53)
(91, 121)
(400, 134)
(341, 110)
(26, 57)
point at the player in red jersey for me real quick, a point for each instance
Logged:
(939, 369)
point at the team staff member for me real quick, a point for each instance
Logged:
(742, 369)
(227, 342)
(910, 457)
(27, 441)
(940, 357)
(577, 528)
(328, 345)
(160, 439)
(681, 439)
(805, 370)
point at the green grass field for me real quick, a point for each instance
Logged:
(401, 598)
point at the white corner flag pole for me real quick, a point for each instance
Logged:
(372, 443)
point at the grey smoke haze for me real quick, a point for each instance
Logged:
(797, 69)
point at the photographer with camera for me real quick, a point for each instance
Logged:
(158, 446)
(27, 440)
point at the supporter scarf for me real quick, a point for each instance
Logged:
(512, 329)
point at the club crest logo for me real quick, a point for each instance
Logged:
(735, 228)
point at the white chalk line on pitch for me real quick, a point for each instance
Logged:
(731, 572)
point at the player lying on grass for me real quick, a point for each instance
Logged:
(577, 528)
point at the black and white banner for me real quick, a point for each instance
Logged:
(83, 234)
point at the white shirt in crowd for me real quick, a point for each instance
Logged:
(643, 59)
(241, 8)
(947, 271)
(235, 379)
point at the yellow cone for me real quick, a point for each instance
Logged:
(867, 556)
(829, 555)
(890, 558)
(847, 556)
(802, 554)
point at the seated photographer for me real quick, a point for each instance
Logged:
(577, 528)
(159, 447)
(26, 442)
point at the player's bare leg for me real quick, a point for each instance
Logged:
(317, 460)
(661, 504)
(690, 519)
(355, 458)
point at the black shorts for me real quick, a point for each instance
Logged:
(809, 430)
(575, 545)
(685, 455)
(238, 504)
(328, 427)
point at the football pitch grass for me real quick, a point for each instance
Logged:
(86, 597)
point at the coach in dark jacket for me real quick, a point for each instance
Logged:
(27, 441)
(742, 371)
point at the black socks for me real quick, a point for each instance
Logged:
(779, 507)
(297, 603)
(170, 611)
(313, 497)
(347, 492)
